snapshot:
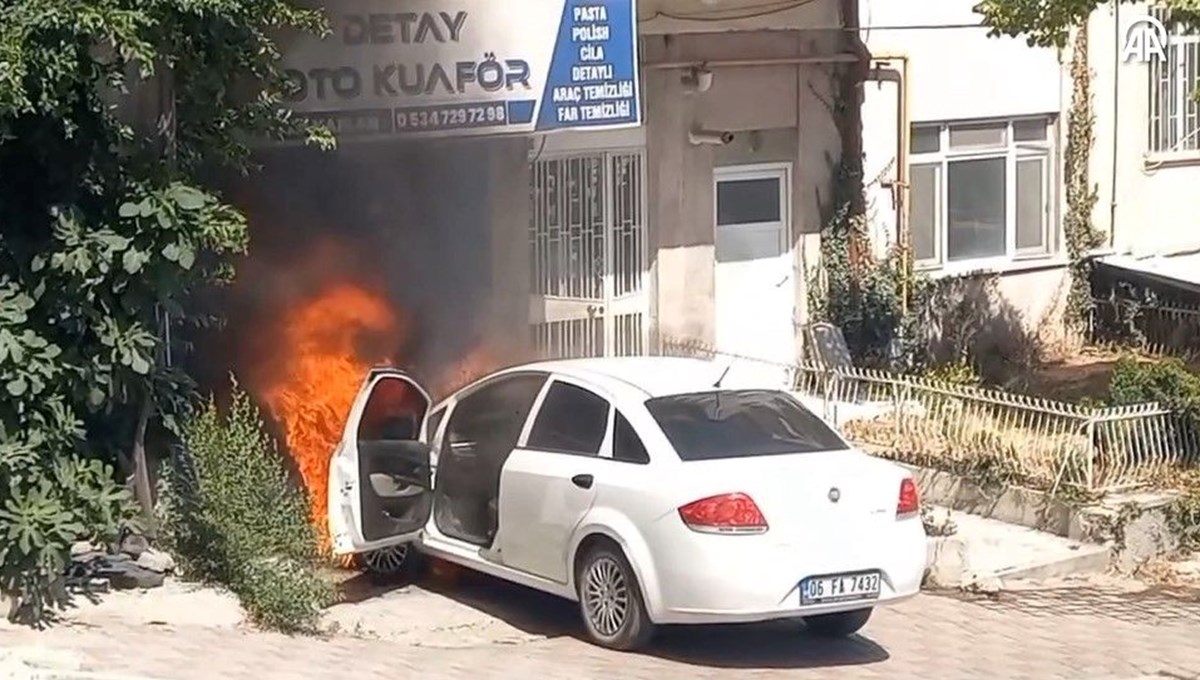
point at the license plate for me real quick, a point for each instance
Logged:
(839, 588)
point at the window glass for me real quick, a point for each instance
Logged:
(925, 200)
(977, 213)
(627, 445)
(494, 414)
(1031, 204)
(740, 424)
(748, 201)
(925, 139)
(432, 424)
(1029, 130)
(979, 136)
(392, 412)
(571, 420)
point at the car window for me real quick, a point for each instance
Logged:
(432, 423)
(741, 423)
(571, 420)
(392, 412)
(627, 445)
(495, 413)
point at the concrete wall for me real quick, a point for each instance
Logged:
(1156, 202)
(957, 73)
(778, 112)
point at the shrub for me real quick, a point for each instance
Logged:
(1166, 381)
(233, 517)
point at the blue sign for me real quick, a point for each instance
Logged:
(429, 67)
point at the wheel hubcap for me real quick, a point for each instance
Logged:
(387, 560)
(605, 596)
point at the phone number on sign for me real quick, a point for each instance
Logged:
(451, 117)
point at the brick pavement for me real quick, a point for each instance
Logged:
(1066, 632)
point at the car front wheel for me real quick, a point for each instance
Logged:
(610, 600)
(841, 624)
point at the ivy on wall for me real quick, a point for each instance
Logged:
(1079, 233)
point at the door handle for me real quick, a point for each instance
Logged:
(583, 481)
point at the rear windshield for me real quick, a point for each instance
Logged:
(739, 424)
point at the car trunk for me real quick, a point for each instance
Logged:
(810, 499)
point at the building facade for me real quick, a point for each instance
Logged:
(964, 139)
(699, 224)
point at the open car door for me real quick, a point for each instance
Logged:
(380, 476)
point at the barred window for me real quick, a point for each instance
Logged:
(1174, 111)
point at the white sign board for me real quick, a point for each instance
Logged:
(453, 67)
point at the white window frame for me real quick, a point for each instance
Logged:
(1173, 122)
(1012, 151)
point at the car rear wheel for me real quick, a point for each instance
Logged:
(610, 600)
(841, 624)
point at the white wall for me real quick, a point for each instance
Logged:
(1158, 206)
(955, 72)
(960, 73)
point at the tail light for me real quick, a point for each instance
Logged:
(731, 513)
(909, 502)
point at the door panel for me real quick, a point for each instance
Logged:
(380, 480)
(549, 484)
(483, 428)
(754, 279)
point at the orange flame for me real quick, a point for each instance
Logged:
(323, 346)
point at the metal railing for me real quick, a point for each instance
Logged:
(989, 434)
(1172, 330)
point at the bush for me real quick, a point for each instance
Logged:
(232, 516)
(1166, 381)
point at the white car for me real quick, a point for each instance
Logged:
(650, 490)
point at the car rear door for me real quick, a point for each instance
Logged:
(550, 481)
(380, 479)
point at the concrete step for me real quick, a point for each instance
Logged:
(983, 550)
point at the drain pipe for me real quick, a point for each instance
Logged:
(881, 71)
(1116, 119)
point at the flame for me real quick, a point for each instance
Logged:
(324, 358)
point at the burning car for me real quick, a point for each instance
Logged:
(649, 490)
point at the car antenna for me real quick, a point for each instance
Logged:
(716, 414)
(717, 384)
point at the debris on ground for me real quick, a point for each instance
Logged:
(132, 564)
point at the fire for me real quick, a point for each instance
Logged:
(322, 352)
(326, 352)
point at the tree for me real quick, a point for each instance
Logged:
(1048, 23)
(106, 234)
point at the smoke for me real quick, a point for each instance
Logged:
(410, 220)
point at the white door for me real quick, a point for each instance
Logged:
(549, 482)
(380, 479)
(588, 259)
(755, 289)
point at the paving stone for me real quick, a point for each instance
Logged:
(1079, 632)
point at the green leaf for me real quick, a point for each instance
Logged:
(17, 386)
(187, 257)
(132, 261)
(128, 210)
(187, 198)
(171, 252)
(139, 364)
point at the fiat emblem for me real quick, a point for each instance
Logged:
(834, 495)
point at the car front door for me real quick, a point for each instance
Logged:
(549, 482)
(380, 480)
